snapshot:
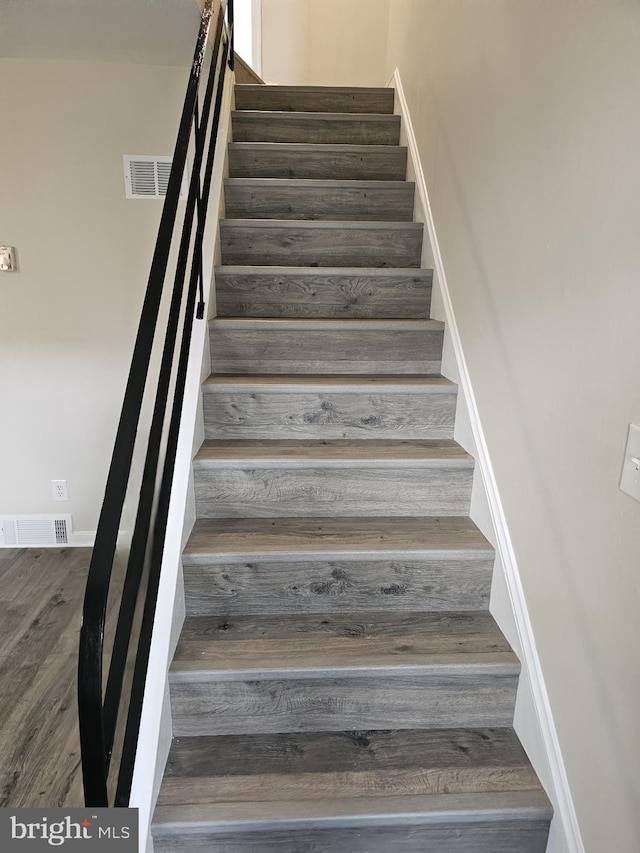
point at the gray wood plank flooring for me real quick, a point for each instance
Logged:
(349, 99)
(331, 292)
(40, 611)
(265, 198)
(304, 160)
(353, 538)
(347, 409)
(324, 244)
(331, 346)
(443, 696)
(315, 765)
(312, 127)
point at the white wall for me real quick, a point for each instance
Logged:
(529, 130)
(324, 42)
(68, 317)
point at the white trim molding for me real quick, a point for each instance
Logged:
(560, 794)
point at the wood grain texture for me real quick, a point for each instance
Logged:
(315, 128)
(443, 696)
(250, 492)
(382, 453)
(318, 765)
(346, 409)
(296, 243)
(294, 160)
(524, 834)
(298, 292)
(268, 198)
(332, 99)
(336, 585)
(40, 613)
(298, 539)
(326, 346)
(332, 640)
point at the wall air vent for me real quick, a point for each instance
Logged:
(148, 177)
(29, 531)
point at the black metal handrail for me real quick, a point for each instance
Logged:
(99, 710)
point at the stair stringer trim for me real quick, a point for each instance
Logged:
(155, 735)
(531, 675)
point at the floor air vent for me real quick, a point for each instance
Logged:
(37, 530)
(148, 177)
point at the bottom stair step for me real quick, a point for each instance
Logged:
(449, 790)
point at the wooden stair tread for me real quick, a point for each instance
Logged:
(339, 642)
(319, 225)
(322, 127)
(326, 324)
(317, 765)
(317, 160)
(377, 452)
(429, 383)
(316, 98)
(319, 183)
(362, 272)
(306, 538)
(530, 804)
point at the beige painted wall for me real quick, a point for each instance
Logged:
(324, 42)
(529, 128)
(68, 317)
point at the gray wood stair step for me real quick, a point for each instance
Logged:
(239, 539)
(276, 242)
(311, 680)
(259, 479)
(348, 99)
(324, 672)
(303, 565)
(278, 198)
(512, 822)
(283, 346)
(317, 765)
(312, 127)
(299, 160)
(339, 406)
(334, 641)
(330, 292)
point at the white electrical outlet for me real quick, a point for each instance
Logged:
(630, 480)
(60, 492)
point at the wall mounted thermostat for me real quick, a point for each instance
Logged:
(7, 259)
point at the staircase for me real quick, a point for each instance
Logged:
(339, 686)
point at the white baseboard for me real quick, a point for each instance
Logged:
(559, 793)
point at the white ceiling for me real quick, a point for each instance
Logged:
(155, 32)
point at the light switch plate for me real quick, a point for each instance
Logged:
(630, 480)
(7, 259)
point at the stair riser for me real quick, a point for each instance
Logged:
(251, 492)
(311, 99)
(299, 294)
(323, 586)
(443, 836)
(251, 414)
(319, 351)
(316, 129)
(324, 245)
(335, 702)
(392, 203)
(316, 162)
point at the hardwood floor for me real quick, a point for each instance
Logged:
(40, 611)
